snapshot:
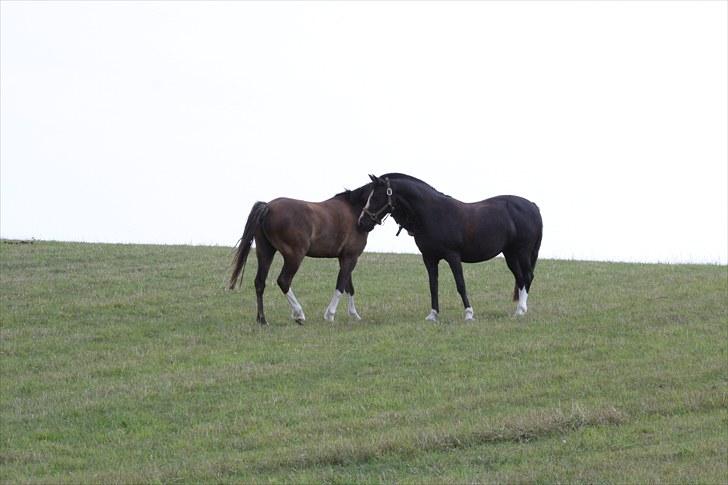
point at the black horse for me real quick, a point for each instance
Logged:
(297, 229)
(459, 232)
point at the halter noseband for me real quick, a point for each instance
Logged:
(374, 216)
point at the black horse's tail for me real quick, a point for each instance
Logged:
(533, 256)
(257, 214)
(534, 252)
(537, 246)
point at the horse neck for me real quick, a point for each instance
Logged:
(355, 198)
(418, 196)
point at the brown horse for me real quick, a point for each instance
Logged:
(298, 228)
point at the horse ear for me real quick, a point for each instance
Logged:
(374, 178)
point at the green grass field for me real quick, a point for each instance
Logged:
(130, 364)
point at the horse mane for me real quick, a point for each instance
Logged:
(410, 178)
(356, 196)
(404, 214)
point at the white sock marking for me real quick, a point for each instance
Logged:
(331, 309)
(296, 308)
(469, 313)
(352, 308)
(522, 307)
(432, 317)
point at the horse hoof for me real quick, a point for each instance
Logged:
(355, 316)
(519, 311)
(329, 317)
(432, 317)
(300, 321)
(469, 314)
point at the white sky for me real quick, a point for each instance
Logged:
(164, 122)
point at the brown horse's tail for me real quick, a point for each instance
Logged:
(257, 214)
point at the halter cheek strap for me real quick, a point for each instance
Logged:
(375, 215)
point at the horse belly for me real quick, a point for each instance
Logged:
(476, 255)
(323, 249)
(328, 241)
(484, 241)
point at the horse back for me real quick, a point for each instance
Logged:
(495, 224)
(522, 217)
(317, 229)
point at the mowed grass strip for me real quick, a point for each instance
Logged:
(130, 363)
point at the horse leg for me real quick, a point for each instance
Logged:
(291, 263)
(265, 252)
(330, 311)
(350, 291)
(432, 272)
(343, 284)
(352, 308)
(456, 267)
(517, 264)
(526, 263)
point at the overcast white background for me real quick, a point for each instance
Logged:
(163, 122)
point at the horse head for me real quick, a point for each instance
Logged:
(379, 203)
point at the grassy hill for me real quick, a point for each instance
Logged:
(130, 363)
